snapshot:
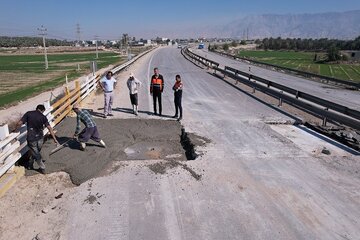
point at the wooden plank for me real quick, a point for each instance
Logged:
(88, 81)
(11, 137)
(10, 148)
(23, 148)
(61, 116)
(60, 102)
(10, 161)
(48, 111)
(60, 109)
(68, 103)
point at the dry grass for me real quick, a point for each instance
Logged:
(11, 81)
(58, 64)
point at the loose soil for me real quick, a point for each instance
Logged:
(162, 167)
(39, 199)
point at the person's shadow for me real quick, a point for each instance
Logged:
(93, 113)
(69, 142)
(130, 111)
(168, 116)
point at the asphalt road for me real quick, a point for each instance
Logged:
(349, 98)
(259, 181)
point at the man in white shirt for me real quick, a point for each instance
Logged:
(108, 84)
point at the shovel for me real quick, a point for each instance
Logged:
(59, 147)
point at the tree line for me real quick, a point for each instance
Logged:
(322, 44)
(31, 42)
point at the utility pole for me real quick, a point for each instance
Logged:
(43, 33)
(120, 47)
(125, 39)
(96, 41)
(129, 45)
(78, 33)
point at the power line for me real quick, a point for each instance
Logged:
(42, 32)
(61, 38)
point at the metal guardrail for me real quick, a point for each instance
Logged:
(299, 72)
(13, 145)
(318, 106)
(298, 94)
(200, 59)
(123, 66)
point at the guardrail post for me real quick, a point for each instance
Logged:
(254, 89)
(47, 104)
(78, 94)
(4, 132)
(86, 86)
(67, 94)
(236, 79)
(280, 99)
(325, 119)
(297, 94)
(250, 77)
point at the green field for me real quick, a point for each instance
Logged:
(304, 61)
(23, 76)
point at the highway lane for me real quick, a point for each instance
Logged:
(342, 96)
(257, 183)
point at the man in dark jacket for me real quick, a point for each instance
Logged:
(35, 122)
(156, 89)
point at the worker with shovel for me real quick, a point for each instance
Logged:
(89, 132)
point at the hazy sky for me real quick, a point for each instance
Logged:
(110, 18)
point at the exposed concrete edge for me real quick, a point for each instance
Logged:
(9, 179)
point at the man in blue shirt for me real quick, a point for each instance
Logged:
(89, 132)
(108, 84)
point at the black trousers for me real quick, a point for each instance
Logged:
(178, 106)
(157, 95)
(134, 99)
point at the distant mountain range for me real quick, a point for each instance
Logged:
(333, 25)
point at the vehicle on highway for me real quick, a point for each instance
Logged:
(179, 46)
(201, 46)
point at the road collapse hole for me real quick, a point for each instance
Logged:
(187, 145)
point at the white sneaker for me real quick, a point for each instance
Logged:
(102, 143)
(40, 164)
(82, 146)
